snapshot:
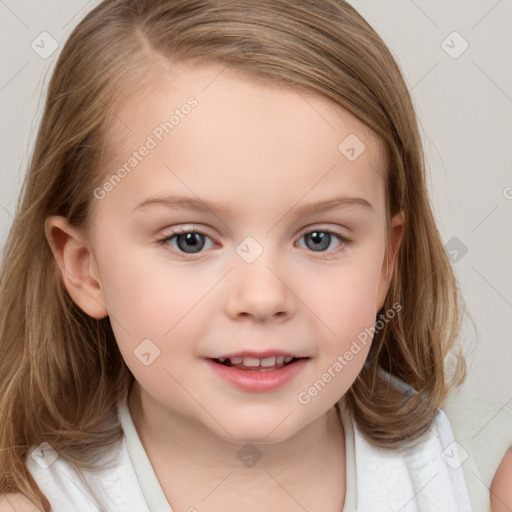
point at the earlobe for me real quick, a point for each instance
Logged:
(394, 242)
(77, 266)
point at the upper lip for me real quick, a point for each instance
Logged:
(259, 355)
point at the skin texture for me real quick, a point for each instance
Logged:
(16, 502)
(501, 487)
(263, 151)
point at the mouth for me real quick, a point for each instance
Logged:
(256, 364)
(258, 372)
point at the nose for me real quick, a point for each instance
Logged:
(261, 291)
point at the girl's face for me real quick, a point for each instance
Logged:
(252, 169)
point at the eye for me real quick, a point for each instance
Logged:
(187, 242)
(319, 240)
(193, 241)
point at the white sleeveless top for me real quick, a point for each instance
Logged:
(426, 478)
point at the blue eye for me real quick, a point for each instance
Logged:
(318, 240)
(188, 242)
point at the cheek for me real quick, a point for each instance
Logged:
(154, 310)
(346, 312)
(147, 298)
(344, 301)
(145, 293)
(344, 298)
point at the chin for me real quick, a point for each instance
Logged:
(256, 432)
(259, 438)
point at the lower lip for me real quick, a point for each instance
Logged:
(258, 381)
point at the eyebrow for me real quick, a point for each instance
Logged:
(196, 204)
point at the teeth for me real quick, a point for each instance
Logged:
(268, 361)
(253, 362)
(250, 361)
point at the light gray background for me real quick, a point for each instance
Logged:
(465, 109)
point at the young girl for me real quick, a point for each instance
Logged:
(224, 288)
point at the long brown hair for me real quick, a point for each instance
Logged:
(60, 370)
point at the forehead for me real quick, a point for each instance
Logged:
(211, 128)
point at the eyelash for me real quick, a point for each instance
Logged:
(344, 242)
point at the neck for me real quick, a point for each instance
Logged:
(194, 465)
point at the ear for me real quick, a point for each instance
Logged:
(393, 244)
(77, 264)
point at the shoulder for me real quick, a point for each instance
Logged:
(501, 487)
(17, 503)
(482, 428)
